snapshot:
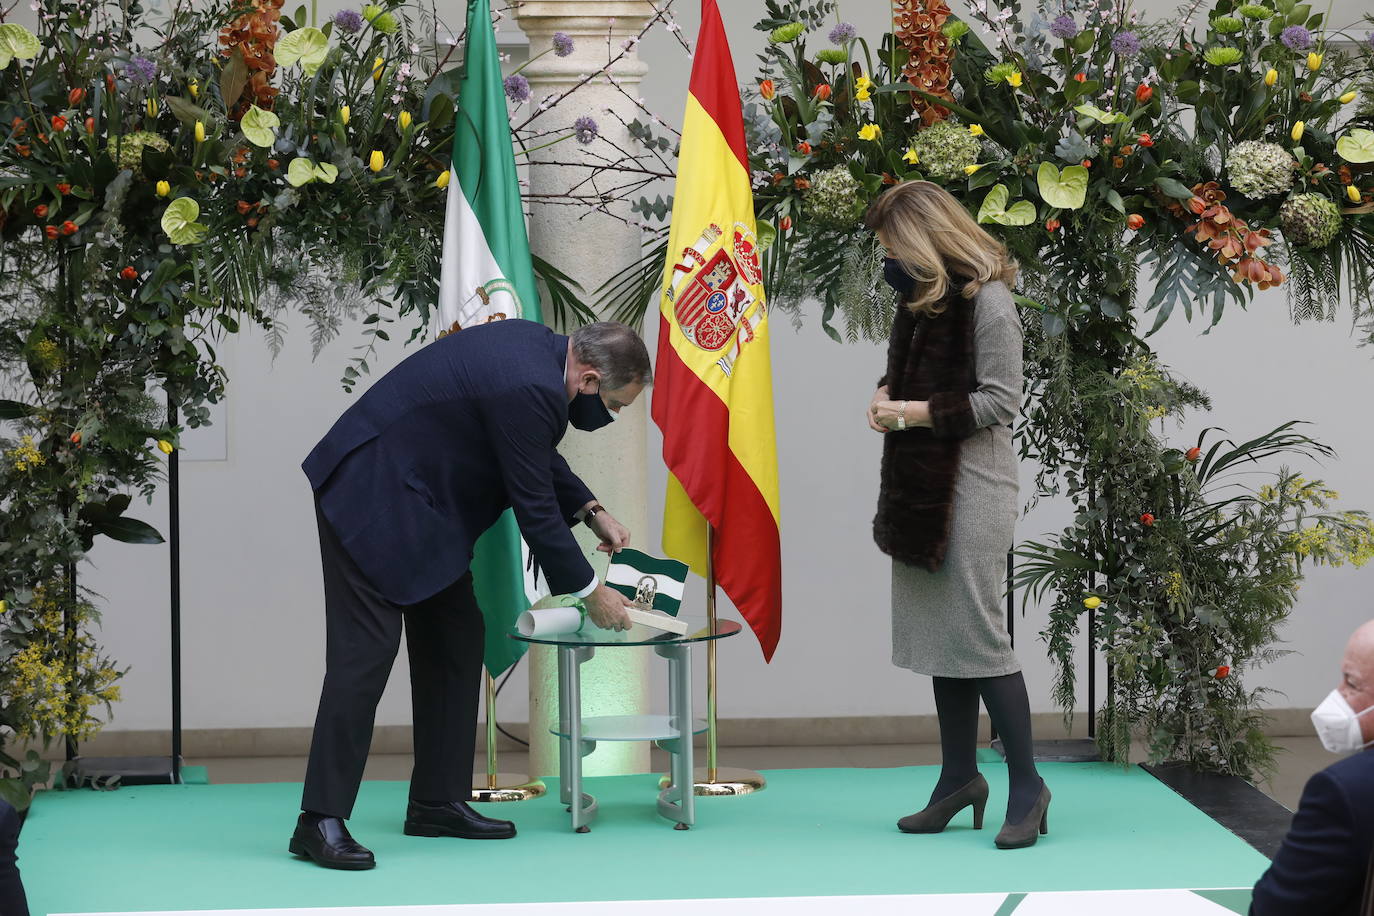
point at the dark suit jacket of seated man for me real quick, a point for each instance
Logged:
(12, 899)
(1322, 864)
(405, 482)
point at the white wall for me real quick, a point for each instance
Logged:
(254, 635)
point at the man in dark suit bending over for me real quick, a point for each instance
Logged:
(1321, 866)
(405, 482)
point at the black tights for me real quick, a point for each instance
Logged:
(956, 701)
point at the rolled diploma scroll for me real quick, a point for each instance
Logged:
(550, 621)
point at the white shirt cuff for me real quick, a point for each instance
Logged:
(588, 590)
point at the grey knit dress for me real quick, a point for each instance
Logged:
(952, 623)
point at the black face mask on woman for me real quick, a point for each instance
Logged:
(897, 278)
(589, 413)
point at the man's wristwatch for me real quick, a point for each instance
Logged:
(591, 511)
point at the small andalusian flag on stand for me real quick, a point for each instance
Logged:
(487, 276)
(713, 388)
(650, 581)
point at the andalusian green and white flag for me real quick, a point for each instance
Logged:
(487, 276)
(652, 581)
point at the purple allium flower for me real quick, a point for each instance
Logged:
(1064, 27)
(517, 88)
(141, 70)
(1296, 38)
(843, 32)
(585, 129)
(1126, 44)
(348, 21)
(562, 44)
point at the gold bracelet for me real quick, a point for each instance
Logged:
(901, 416)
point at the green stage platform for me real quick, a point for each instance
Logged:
(812, 833)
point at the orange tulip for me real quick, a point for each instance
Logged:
(823, 91)
(1135, 221)
(1143, 93)
(1052, 225)
(767, 89)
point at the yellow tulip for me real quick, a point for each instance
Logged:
(405, 120)
(1353, 193)
(152, 108)
(377, 66)
(862, 94)
(970, 169)
(911, 157)
(1015, 79)
(164, 446)
(194, 88)
(1271, 77)
(163, 189)
(976, 129)
(1314, 61)
(870, 132)
(863, 82)
(1296, 132)
(200, 131)
(344, 113)
(442, 181)
(1349, 97)
(1092, 602)
(376, 161)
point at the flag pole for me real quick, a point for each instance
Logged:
(715, 780)
(501, 787)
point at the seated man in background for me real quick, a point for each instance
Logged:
(1323, 862)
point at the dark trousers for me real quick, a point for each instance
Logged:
(444, 638)
(12, 900)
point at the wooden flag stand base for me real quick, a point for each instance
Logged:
(713, 780)
(501, 787)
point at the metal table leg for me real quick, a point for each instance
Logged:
(677, 802)
(574, 748)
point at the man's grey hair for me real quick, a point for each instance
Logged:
(614, 350)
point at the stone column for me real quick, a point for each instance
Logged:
(590, 247)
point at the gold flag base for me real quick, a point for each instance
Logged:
(507, 787)
(728, 781)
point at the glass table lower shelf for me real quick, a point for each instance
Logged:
(631, 728)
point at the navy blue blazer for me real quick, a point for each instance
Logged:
(431, 455)
(12, 900)
(1322, 863)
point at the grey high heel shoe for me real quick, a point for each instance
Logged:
(1023, 832)
(936, 816)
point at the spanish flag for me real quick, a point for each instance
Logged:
(713, 390)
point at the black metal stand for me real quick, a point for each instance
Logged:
(147, 771)
(1058, 750)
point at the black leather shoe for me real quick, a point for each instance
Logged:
(326, 841)
(454, 818)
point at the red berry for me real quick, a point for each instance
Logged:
(128, 273)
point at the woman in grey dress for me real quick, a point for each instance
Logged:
(948, 501)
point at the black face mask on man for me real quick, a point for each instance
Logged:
(897, 278)
(589, 413)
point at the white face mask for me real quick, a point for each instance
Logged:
(1338, 725)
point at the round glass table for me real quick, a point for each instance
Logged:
(577, 737)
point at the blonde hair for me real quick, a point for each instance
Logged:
(934, 238)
